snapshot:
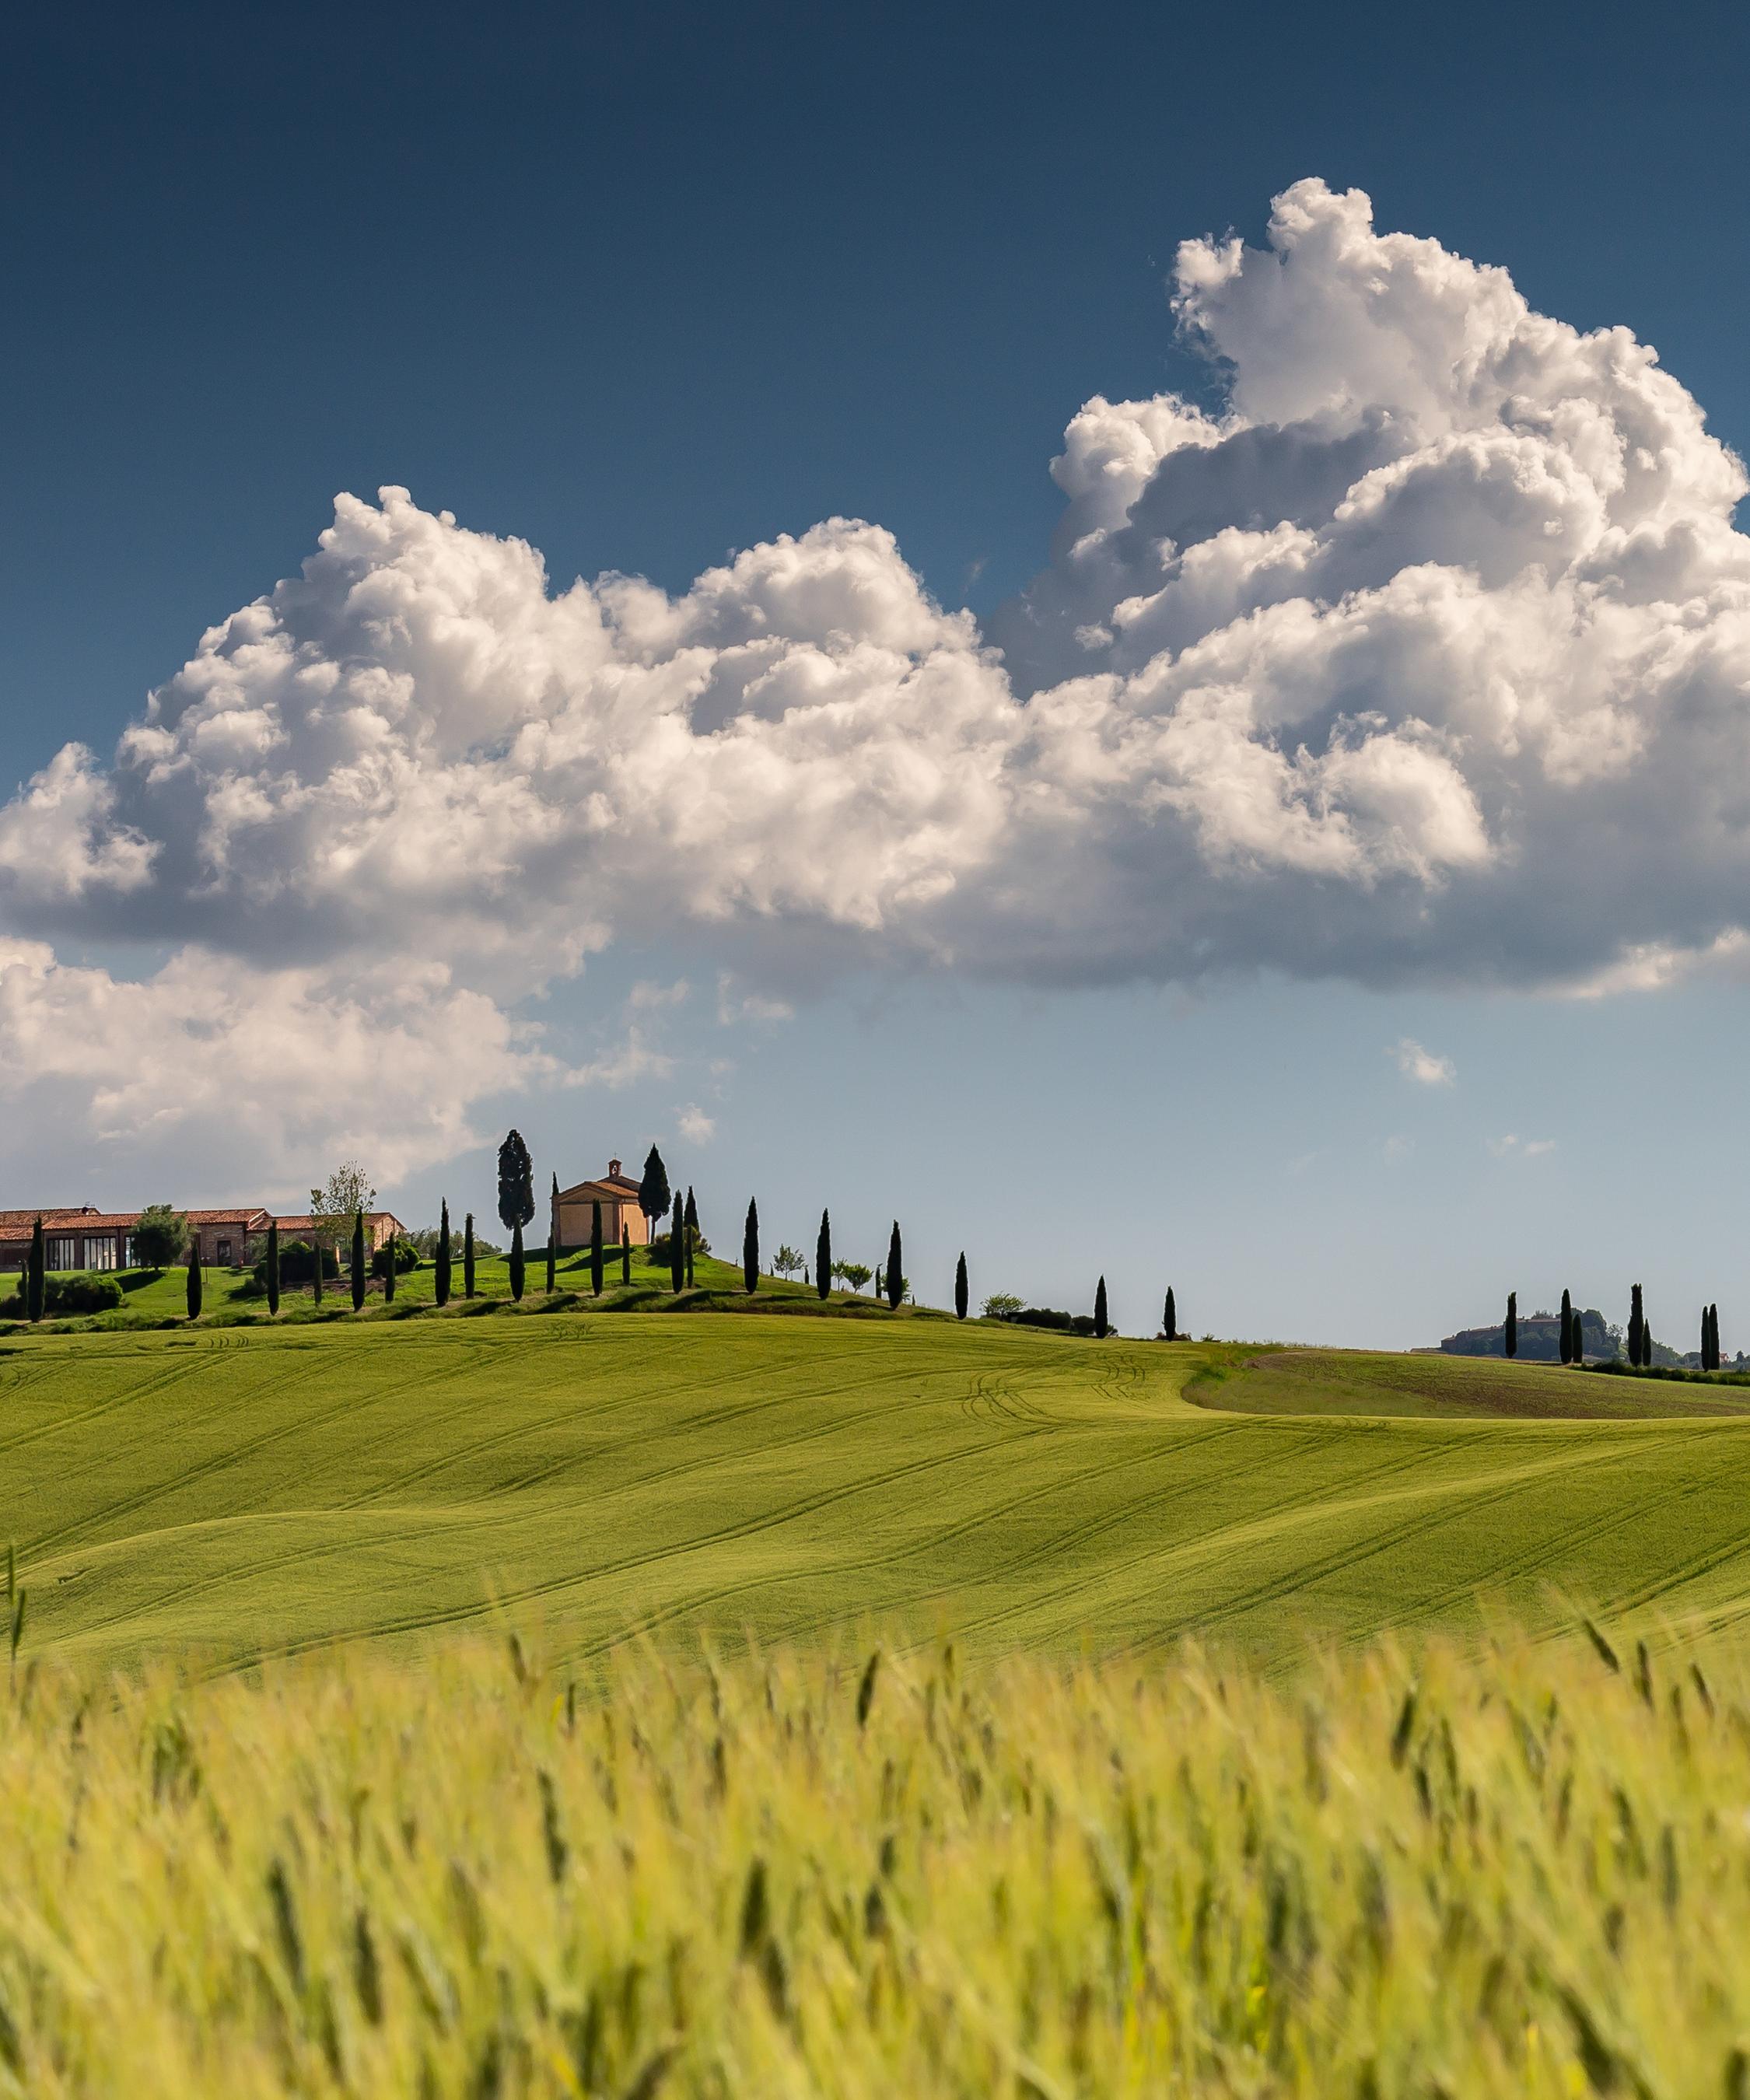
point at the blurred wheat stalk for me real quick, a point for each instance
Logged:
(1413, 1872)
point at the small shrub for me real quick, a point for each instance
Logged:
(298, 1263)
(402, 1252)
(63, 1294)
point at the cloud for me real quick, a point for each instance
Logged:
(232, 1082)
(1421, 659)
(696, 1125)
(1422, 1065)
(1512, 1147)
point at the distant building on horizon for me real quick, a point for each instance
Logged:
(1539, 1339)
(573, 1210)
(81, 1237)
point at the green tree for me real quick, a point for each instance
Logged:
(962, 1297)
(441, 1259)
(516, 1182)
(1170, 1317)
(1637, 1322)
(653, 1194)
(272, 1277)
(750, 1249)
(625, 1252)
(160, 1238)
(895, 1279)
(36, 1274)
(348, 1190)
(1102, 1326)
(517, 1264)
(392, 1248)
(823, 1267)
(552, 1242)
(359, 1271)
(854, 1273)
(677, 1248)
(1568, 1328)
(690, 1224)
(595, 1246)
(467, 1253)
(194, 1277)
(1509, 1333)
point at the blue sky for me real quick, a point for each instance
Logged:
(642, 288)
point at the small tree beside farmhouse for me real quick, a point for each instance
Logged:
(160, 1238)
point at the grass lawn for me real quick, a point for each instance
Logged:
(224, 1487)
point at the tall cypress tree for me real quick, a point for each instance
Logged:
(690, 1226)
(1509, 1333)
(654, 1196)
(467, 1253)
(553, 1240)
(1568, 1328)
(315, 1273)
(1705, 1351)
(273, 1265)
(389, 1269)
(36, 1274)
(625, 1252)
(1637, 1321)
(677, 1248)
(358, 1261)
(194, 1275)
(516, 1181)
(824, 1257)
(1170, 1317)
(1713, 1331)
(595, 1247)
(961, 1300)
(518, 1264)
(441, 1290)
(895, 1279)
(1102, 1326)
(750, 1249)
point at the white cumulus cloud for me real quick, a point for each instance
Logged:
(1424, 1066)
(1422, 658)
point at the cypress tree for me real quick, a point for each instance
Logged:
(1509, 1336)
(690, 1226)
(273, 1265)
(625, 1252)
(441, 1292)
(653, 1190)
(316, 1273)
(1568, 1328)
(750, 1249)
(824, 1257)
(1714, 1331)
(389, 1271)
(595, 1246)
(518, 1265)
(677, 1248)
(194, 1275)
(896, 1276)
(1705, 1351)
(467, 1253)
(36, 1286)
(358, 1261)
(1170, 1317)
(1102, 1326)
(1636, 1321)
(553, 1240)
(516, 1182)
(960, 1298)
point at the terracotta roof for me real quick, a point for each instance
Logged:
(243, 1217)
(616, 1184)
(50, 1214)
(302, 1221)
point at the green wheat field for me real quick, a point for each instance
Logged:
(542, 1702)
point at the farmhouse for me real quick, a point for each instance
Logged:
(617, 1193)
(84, 1237)
(380, 1228)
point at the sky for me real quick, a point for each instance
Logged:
(1121, 636)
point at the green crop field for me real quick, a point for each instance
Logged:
(226, 1489)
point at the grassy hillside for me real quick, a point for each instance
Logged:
(1358, 1382)
(1520, 1875)
(226, 1488)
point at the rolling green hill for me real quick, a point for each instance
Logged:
(226, 1487)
